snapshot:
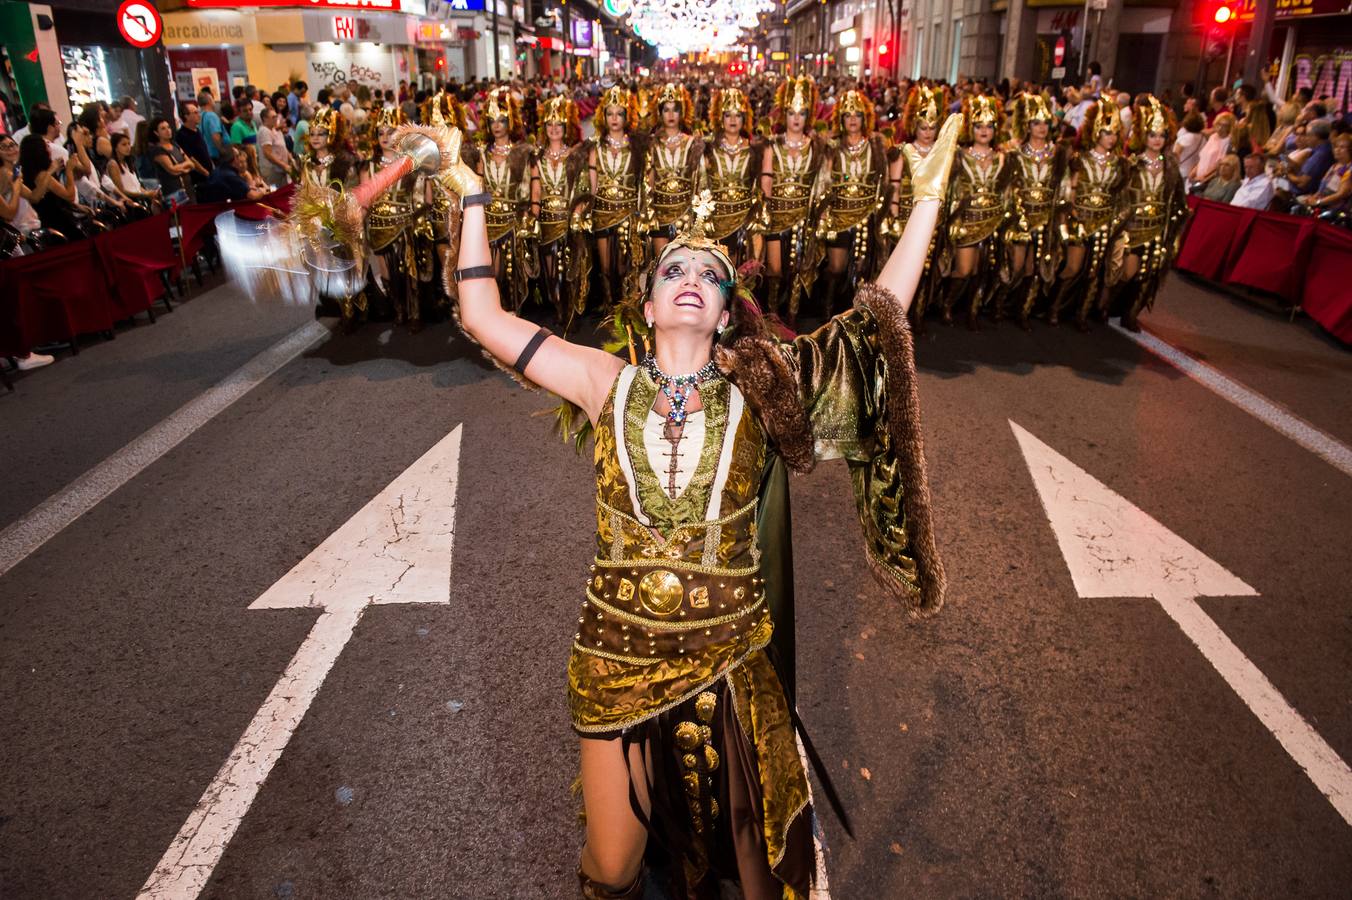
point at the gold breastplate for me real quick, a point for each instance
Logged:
(616, 190)
(672, 185)
(853, 195)
(1037, 194)
(554, 197)
(392, 212)
(790, 191)
(1094, 202)
(1145, 194)
(981, 207)
(733, 197)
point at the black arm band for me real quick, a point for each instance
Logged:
(529, 351)
(473, 272)
(476, 200)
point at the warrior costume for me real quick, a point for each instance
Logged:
(560, 190)
(1037, 177)
(619, 193)
(728, 172)
(398, 231)
(925, 106)
(443, 110)
(506, 174)
(673, 166)
(335, 168)
(854, 197)
(978, 205)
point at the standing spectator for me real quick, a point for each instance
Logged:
(1256, 190)
(295, 99)
(244, 134)
(171, 163)
(213, 130)
(130, 115)
(1188, 146)
(255, 102)
(307, 112)
(275, 163)
(1124, 111)
(189, 137)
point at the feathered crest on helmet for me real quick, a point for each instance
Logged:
(559, 111)
(1101, 118)
(730, 100)
(326, 118)
(623, 98)
(925, 105)
(442, 109)
(1152, 116)
(645, 102)
(853, 103)
(1029, 108)
(795, 95)
(675, 92)
(388, 117)
(980, 109)
(500, 103)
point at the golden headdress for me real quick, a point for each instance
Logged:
(925, 105)
(501, 104)
(796, 95)
(388, 118)
(1152, 116)
(442, 109)
(616, 96)
(730, 100)
(853, 103)
(559, 111)
(1029, 108)
(674, 92)
(980, 109)
(1102, 117)
(326, 118)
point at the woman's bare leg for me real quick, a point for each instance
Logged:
(613, 855)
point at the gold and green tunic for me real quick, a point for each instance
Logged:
(977, 201)
(730, 176)
(395, 230)
(1037, 174)
(793, 177)
(1156, 208)
(617, 185)
(1096, 206)
(560, 254)
(507, 178)
(858, 172)
(673, 166)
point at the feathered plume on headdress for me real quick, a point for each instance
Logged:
(980, 109)
(1029, 108)
(925, 105)
(442, 109)
(1152, 116)
(559, 111)
(853, 103)
(326, 118)
(730, 100)
(674, 92)
(1102, 117)
(616, 96)
(502, 104)
(795, 95)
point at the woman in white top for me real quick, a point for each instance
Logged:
(14, 206)
(1215, 148)
(1188, 146)
(120, 176)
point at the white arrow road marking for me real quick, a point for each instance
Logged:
(396, 549)
(1333, 451)
(1113, 549)
(47, 519)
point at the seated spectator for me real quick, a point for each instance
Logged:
(1256, 190)
(55, 201)
(1223, 185)
(1188, 146)
(171, 163)
(14, 206)
(1306, 170)
(1283, 136)
(229, 181)
(120, 176)
(1336, 186)
(1216, 147)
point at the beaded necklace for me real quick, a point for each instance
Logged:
(677, 388)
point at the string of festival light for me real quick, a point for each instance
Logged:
(683, 26)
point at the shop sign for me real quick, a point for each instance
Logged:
(778, 55)
(378, 5)
(139, 23)
(319, 27)
(1328, 74)
(1297, 9)
(211, 28)
(582, 32)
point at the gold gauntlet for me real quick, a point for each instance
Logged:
(929, 174)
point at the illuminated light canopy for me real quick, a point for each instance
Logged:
(683, 26)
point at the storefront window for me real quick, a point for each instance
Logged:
(103, 73)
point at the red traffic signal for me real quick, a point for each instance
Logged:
(882, 50)
(1223, 15)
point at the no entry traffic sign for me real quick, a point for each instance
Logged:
(1059, 51)
(139, 22)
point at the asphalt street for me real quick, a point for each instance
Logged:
(1026, 742)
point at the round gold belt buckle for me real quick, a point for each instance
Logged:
(660, 592)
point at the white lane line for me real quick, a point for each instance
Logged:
(1323, 766)
(1115, 549)
(821, 888)
(49, 517)
(395, 549)
(1329, 448)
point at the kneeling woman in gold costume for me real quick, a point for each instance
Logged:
(857, 164)
(729, 169)
(688, 753)
(505, 168)
(788, 172)
(616, 164)
(397, 230)
(1157, 207)
(977, 207)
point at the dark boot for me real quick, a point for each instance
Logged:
(1025, 295)
(973, 298)
(592, 890)
(952, 290)
(1060, 294)
(1135, 301)
(1091, 298)
(1003, 291)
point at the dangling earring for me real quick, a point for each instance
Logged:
(650, 323)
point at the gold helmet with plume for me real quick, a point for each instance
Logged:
(1029, 108)
(675, 92)
(980, 109)
(1101, 118)
(796, 95)
(443, 109)
(617, 95)
(853, 103)
(926, 105)
(500, 103)
(388, 117)
(730, 100)
(329, 120)
(1152, 117)
(559, 111)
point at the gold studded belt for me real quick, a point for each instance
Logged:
(649, 612)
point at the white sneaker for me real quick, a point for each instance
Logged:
(35, 361)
